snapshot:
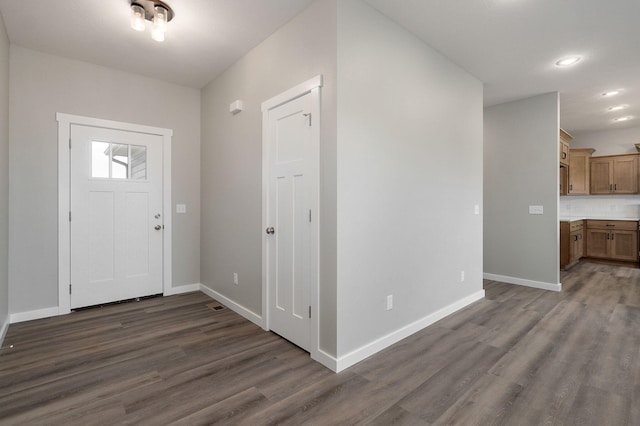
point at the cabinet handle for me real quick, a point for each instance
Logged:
(564, 155)
(608, 236)
(615, 187)
(612, 235)
(570, 187)
(610, 187)
(610, 224)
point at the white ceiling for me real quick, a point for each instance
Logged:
(511, 45)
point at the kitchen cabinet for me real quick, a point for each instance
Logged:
(565, 138)
(612, 240)
(579, 169)
(615, 174)
(564, 180)
(571, 243)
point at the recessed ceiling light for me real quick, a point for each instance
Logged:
(622, 119)
(568, 61)
(617, 108)
(611, 93)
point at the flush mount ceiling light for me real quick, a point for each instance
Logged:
(568, 61)
(610, 93)
(157, 12)
(617, 108)
(622, 119)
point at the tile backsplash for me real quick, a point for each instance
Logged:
(601, 206)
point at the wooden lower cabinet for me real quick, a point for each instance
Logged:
(571, 243)
(612, 240)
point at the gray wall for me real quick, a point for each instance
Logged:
(231, 160)
(521, 169)
(409, 175)
(4, 176)
(42, 85)
(608, 142)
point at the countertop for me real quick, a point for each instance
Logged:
(574, 218)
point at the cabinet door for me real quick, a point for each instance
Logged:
(564, 179)
(578, 173)
(564, 153)
(598, 243)
(624, 245)
(601, 176)
(625, 175)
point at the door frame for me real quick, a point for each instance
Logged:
(65, 121)
(311, 86)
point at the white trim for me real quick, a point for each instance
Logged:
(34, 315)
(311, 86)
(64, 195)
(293, 93)
(3, 330)
(385, 341)
(182, 289)
(237, 308)
(523, 282)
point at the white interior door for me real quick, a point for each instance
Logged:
(289, 134)
(116, 222)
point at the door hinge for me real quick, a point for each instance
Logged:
(309, 311)
(308, 115)
(309, 215)
(69, 143)
(69, 216)
(69, 288)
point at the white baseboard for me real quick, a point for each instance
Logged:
(4, 329)
(34, 315)
(383, 342)
(523, 282)
(237, 308)
(181, 289)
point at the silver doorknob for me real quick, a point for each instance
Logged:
(270, 230)
(157, 227)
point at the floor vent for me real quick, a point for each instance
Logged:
(217, 308)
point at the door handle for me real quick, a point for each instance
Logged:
(157, 227)
(270, 230)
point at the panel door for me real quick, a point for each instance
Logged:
(288, 243)
(625, 175)
(116, 222)
(601, 176)
(578, 174)
(624, 245)
(598, 243)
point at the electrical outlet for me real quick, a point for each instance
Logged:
(235, 278)
(461, 276)
(181, 208)
(389, 302)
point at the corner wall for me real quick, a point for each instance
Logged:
(231, 161)
(41, 86)
(4, 181)
(409, 177)
(521, 169)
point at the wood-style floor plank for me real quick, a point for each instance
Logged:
(521, 356)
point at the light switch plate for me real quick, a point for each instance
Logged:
(181, 208)
(536, 210)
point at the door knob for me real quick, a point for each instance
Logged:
(157, 227)
(270, 230)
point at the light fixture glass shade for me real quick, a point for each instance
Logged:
(160, 18)
(157, 34)
(137, 17)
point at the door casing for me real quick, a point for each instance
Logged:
(64, 198)
(312, 87)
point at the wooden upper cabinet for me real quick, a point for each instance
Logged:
(616, 174)
(565, 138)
(579, 169)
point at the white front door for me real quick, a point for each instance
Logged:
(116, 222)
(289, 135)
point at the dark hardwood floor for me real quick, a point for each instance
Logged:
(520, 357)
